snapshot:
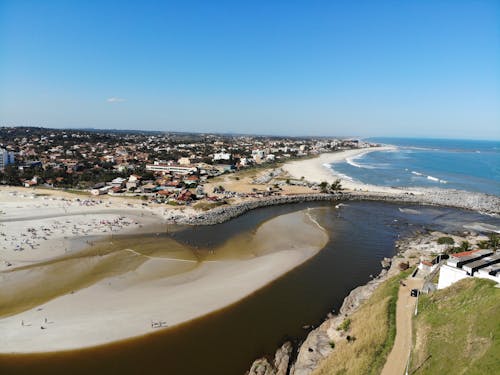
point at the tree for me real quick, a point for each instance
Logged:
(464, 246)
(336, 185)
(494, 240)
(324, 187)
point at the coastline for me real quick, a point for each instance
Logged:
(307, 355)
(126, 217)
(316, 170)
(72, 321)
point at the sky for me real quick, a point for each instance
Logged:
(331, 68)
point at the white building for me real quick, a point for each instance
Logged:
(222, 156)
(476, 263)
(184, 161)
(6, 158)
(170, 168)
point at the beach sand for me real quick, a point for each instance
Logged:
(39, 225)
(93, 299)
(316, 170)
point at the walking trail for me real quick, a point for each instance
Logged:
(405, 308)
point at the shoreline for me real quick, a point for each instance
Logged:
(118, 212)
(71, 321)
(304, 357)
(316, 169)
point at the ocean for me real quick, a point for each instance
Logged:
(442, 163)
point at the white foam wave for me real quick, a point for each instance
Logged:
(338, 174)
(435, 179)
(351, 161)
(409, 211)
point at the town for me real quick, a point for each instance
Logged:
(174, 168)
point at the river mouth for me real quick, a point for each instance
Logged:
(226, 341)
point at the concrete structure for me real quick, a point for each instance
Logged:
(170, 168)
(222, 156)
(101, 191)
(6, 158)
(490, 272)
(475, 263)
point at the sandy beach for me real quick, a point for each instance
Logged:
(316, 170)
(93, 299)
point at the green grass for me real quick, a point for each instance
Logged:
(346, 324)
(373, 327)
(205, 206)
(459, 327)
(391, 289)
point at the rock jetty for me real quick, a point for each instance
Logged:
(484, 203)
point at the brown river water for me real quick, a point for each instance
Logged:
(228, 340)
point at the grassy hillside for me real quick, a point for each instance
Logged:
(373, 327)
(459, 328)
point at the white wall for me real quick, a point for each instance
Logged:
(449, 275)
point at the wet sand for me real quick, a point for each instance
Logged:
(120, 290)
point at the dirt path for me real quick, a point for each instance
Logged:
(396, 361)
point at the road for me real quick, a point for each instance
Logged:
(405, 308)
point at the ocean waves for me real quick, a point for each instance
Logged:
(431, 178)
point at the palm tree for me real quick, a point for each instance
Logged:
(324, 187)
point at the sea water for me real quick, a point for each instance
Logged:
(443, 163)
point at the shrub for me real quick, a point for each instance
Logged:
(445, 240)
(403, 266)
(345, 325)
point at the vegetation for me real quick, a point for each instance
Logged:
(403, 266)
(492, 242)
(205, 206)
(464, 246)
(325, 187)
(372, 331)
(457, 330)
(346, 324)
(445, 241)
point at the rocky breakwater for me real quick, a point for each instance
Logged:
(224, 213)
(473, 201)
(485, 203)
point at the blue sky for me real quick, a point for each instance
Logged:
(365, 68)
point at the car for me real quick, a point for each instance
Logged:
(414, 292)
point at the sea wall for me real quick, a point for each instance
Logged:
(489, 204)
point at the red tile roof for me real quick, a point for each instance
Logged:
(464, 253)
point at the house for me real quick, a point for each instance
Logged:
(148, 188)
(163, 193)
(191, 181)
(118, 182)
(100, 191)
(184, 161)
(185, 195)
(133, 182)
